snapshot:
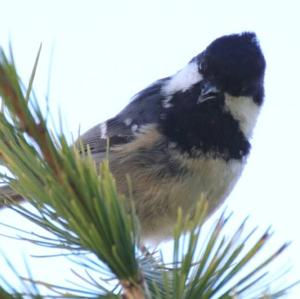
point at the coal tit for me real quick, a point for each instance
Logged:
(186, 136)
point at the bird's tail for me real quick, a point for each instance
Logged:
(9, 196)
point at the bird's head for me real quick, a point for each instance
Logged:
(233, 64)
(212, 104)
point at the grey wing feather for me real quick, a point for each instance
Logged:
(97, 137)
(145, 108)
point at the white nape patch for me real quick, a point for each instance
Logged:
(128, 121)
(103, 128)
(183, 80)
(245, 110)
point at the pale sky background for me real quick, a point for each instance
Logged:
(103, 52)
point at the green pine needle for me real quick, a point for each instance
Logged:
(77, 202)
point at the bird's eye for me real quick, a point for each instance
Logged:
(202, 67)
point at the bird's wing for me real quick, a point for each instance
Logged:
(144, 109)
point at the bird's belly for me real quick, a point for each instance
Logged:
(211, 180)
(157, 204)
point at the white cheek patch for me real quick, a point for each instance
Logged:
(245, 110)
(183, 79)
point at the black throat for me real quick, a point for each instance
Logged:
(205, 128)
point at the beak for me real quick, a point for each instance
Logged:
(208, 91)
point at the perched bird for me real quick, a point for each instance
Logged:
(186, 136)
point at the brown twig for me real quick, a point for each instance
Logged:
(27, 123)
(132, 291)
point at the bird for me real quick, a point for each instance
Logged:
(185, 137)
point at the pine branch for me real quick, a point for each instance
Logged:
(84, 214)
(78, 203)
